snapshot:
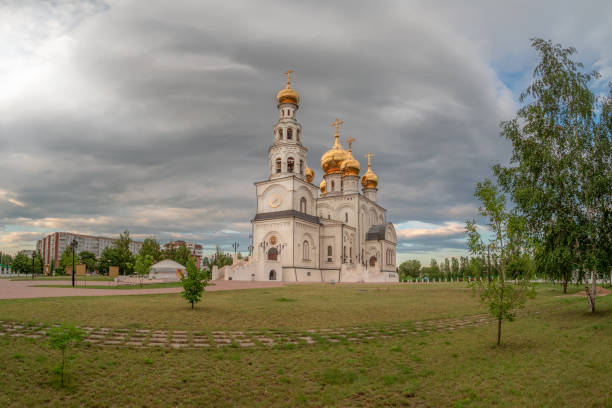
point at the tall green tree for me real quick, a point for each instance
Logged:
(123, 256)
(89, 259)
(108, 258)
(151, 247)
(503, 299)
(65, 259)
(182, 254)
(410, 269)
(22, 263)
(455, 266)
(446, 271)
(560, 172)
(142, 265)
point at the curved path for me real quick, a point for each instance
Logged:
(151, 338)
(25, 289)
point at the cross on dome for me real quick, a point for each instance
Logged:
(289, 71)
(336, 123)
(349, 141)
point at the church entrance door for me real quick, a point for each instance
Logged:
(373, 261)
(272, 274)
(272, 254)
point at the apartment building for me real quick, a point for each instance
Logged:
(52, 246)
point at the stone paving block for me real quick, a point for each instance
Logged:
(246, 344)
(223, 340)
(133, 343)
(112, 342)
(156, 344)
(201, 345)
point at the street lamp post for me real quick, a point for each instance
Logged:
(33, 254)
(73, 245)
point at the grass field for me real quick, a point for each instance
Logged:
(80, 285)
(66, 278)
(557, 357)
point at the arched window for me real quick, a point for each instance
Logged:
(372, 261)
(306, 249)
(345, 217)
(298, 135)
(344, 254)
(303, 205)
(333, 186)
(351, 255)
(289, 133)
(272, 254)
(301, 166)
(290, 164)
(280, 133)
(329, 253)
(278, 165)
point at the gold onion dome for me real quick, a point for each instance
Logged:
(309, 174)
(369, 179)
(331, 161)
(350, 167)
(288, 95)
(323, 186)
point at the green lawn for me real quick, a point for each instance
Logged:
(559, 357)
(288, 307)
(66, 278)
(135, 286)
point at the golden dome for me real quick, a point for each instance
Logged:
(309, 174)
(350, 167)
(323, 187)
(331, 161)
(288, 95)
(369, 179)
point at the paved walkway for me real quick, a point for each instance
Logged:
(149, 338)
(25, 288)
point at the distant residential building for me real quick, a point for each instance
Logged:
(27, 252)
(194, 249)
(52, 246)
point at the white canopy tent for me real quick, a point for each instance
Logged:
(167, 270)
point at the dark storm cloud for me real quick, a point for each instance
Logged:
(158, 118)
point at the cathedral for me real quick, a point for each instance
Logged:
(302, 232)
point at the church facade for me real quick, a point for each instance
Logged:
(336, 231)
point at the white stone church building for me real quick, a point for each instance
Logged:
(308, 233)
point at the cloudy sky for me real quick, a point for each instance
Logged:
(156, 116)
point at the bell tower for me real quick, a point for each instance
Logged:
(287, 155)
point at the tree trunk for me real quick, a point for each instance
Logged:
(499, 324)
(590, 294)
(565, 286)
(192, 305)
